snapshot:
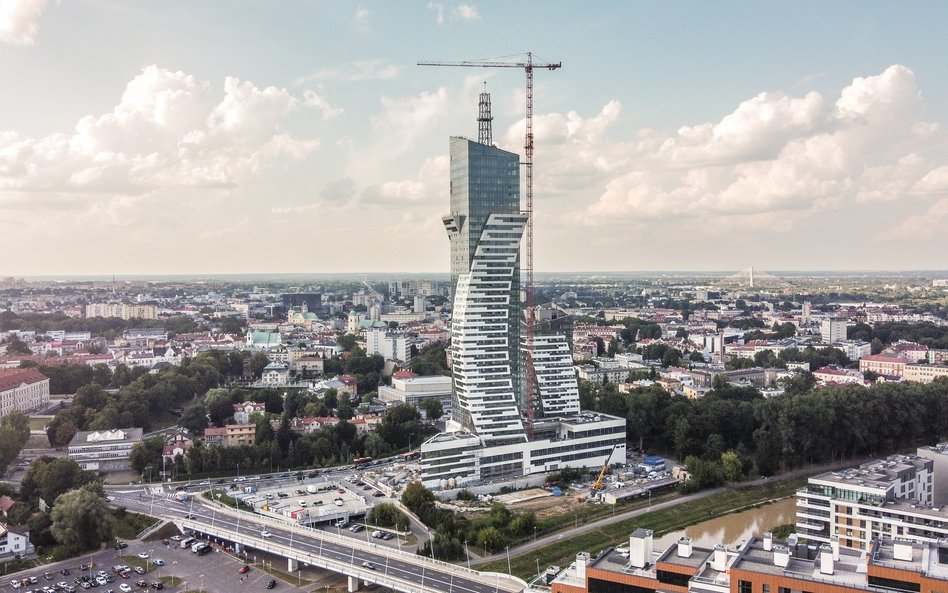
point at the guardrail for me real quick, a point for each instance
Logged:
(350, 569)
(358, 543)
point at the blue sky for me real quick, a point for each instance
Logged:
(219, 137)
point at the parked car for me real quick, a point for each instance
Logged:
(143, 555)
(271, 583)
(158, 562)
(124, 588)
(142, 583)
(244, 569)
(157, 585)
(120, 545)
(139, 570)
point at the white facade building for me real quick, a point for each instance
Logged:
(833, 330)
(104, 450)
(888, 498)
(26, 390)
(557, 388)
(389, 346)
(411, 390)
(479, 337)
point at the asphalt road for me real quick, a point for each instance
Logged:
(251, 526)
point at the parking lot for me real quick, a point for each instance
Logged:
(217, 572)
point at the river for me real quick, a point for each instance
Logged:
(736, 527)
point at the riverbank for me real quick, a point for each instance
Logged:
(661, 521)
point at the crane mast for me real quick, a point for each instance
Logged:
(528, 68)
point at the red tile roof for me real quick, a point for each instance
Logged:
(12, 378)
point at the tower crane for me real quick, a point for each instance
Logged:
(528, 66)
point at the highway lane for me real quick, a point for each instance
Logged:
(349, 551)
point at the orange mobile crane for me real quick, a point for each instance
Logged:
(597, 485)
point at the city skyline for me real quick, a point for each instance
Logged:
(213, 139)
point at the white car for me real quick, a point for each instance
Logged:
(124, 588)
(15, 584)
(143, 555)
(265, 533)
(158, 562)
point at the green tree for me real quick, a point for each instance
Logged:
(387, 514)
(346, 341)
(490, 538)
(219, 404)
(48, 477)
(19, 423)
(80, 520)
(17, 347)
(432, 408)
(258, 361)
(194, 418)
(264, 433)
(732, 468)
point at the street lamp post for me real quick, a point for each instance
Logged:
(173, 562)
(509, 572)
(467, 555)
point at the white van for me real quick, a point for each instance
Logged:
(303, 503)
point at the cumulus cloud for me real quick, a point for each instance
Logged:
(19, 20)
(466, 12)
(166, 131)
(773, 155)
(402, 120)
(438, 9)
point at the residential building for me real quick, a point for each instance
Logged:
(833, 330)
(854, 349)
(104, 450)
(26, 390)
(924, 373)
(908, 350)
(759, 565)
(887, 498)
(15, 541)
(389, 345)
(557, 388)
(242, 411)
(834, 375)
(408, 388)
(263, 339)
(7, 504)
(275, 374)
(888, 366)
(124, 310)
(215, 437)
(939, 456)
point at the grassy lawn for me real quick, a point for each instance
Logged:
(563, 552)
(127, 525)
(171, 581)
(282, 575)
(38, 423)
(165, 531)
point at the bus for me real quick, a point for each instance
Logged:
(411, 455)
(361, 460)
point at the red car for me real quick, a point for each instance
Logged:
(244, 569)
(341, 491)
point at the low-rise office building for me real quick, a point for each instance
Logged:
(104, 450)
(409, 388)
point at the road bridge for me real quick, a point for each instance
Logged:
(361, 561)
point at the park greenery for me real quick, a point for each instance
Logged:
(491, 531)
(734, 431)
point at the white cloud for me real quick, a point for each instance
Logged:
(314, 100)
(402, 120)
(438, 9)
(19, 20)
(775, 155)
(166, 131)
(466, 12)
(361, 13)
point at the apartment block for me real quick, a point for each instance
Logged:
(888, 498)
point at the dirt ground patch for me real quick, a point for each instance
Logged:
(548, 506)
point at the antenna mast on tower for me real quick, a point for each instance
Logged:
(484, 118)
